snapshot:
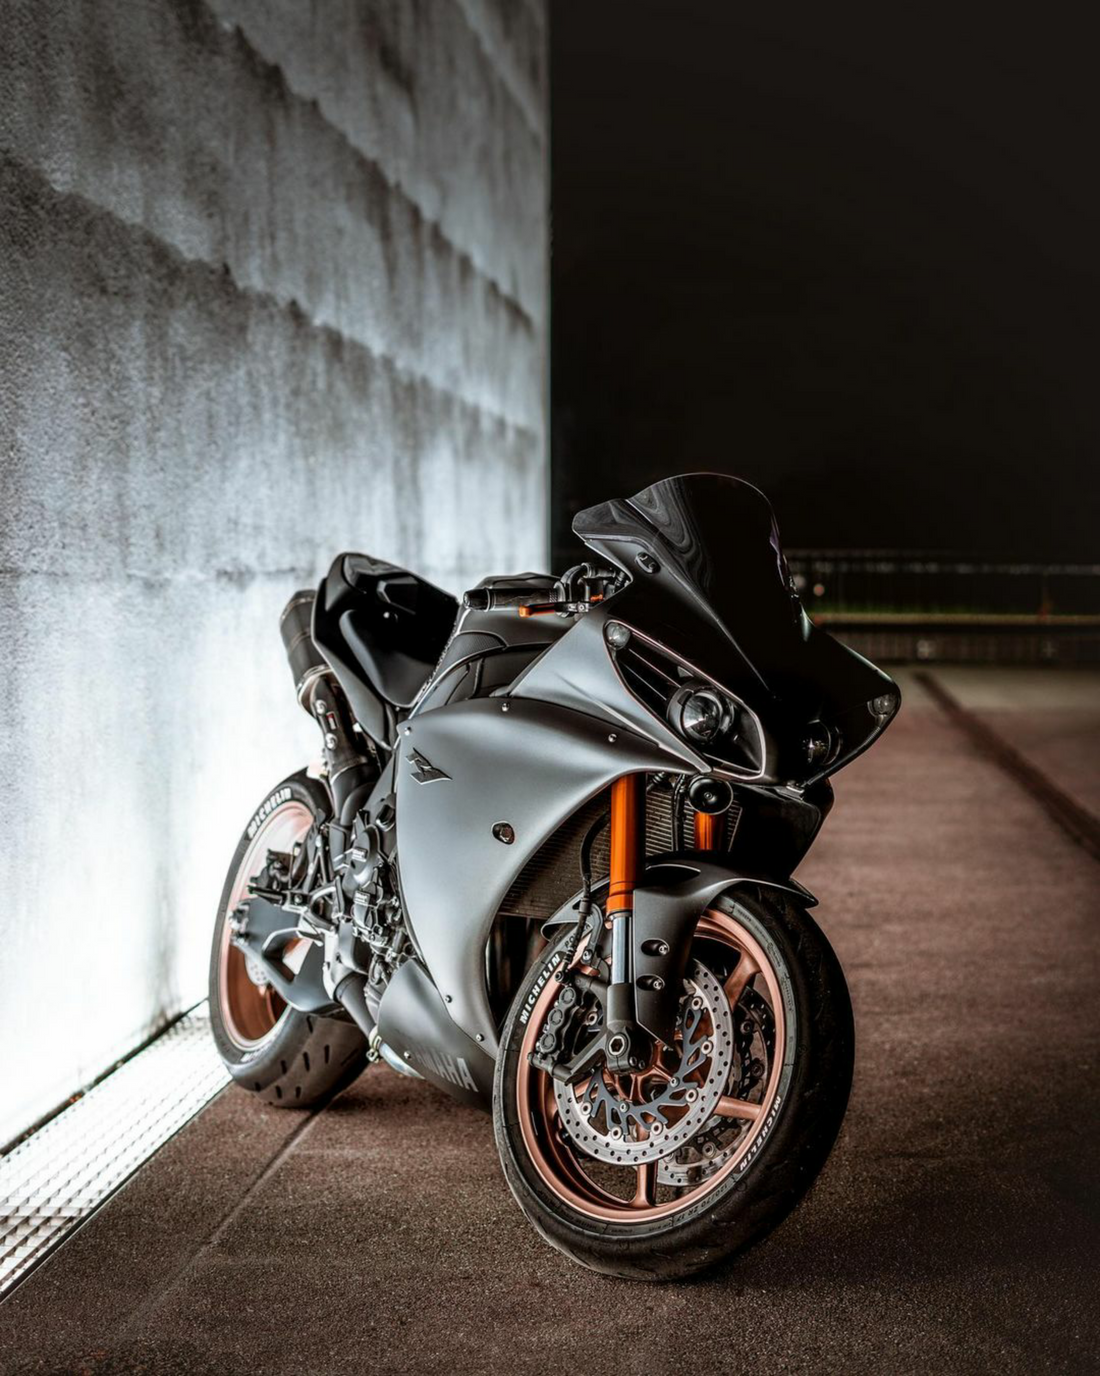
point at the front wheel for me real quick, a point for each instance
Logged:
(658, 1175)
(286, 1058)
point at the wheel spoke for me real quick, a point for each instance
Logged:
(729, 1107)
(562, 1147)
(645, 1196)
(743, 971)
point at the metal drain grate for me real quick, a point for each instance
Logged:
(50, 1183)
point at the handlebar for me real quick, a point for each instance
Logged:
(575, 591)
(490, 599)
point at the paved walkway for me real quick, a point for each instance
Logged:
(956, 1228)
(1052, 716)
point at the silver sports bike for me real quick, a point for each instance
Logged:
(545, 864)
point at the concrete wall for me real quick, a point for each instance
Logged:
(272, 284)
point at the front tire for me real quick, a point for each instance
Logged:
(750, 1163)
(285, 1058)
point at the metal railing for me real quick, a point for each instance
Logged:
(910, 605)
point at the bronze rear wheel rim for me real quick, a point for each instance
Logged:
(252, 1012)
(570, 1174)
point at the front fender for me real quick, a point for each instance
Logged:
(676, 892)
(666, 908)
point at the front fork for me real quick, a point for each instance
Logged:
(628, 1047)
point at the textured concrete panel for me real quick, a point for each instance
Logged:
(452, 85)
(236, 335)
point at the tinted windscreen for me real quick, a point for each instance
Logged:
(709, 582)
(718, 538)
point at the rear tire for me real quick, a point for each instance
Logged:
(285, 1058)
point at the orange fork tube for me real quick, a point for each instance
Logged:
(627, 841)
(707, 830)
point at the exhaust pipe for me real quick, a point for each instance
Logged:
(296, 629)
(320, 695)
(351, 993)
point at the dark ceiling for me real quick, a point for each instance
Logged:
(850, 255)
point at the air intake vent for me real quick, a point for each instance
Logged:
(651, 675)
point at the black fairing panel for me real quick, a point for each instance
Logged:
(413, 1020)
(490, 649)
(382, 629)
(710, 582)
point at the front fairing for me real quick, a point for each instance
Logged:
(708, 581)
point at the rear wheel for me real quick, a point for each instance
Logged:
(285, 1057)
(661, 1174)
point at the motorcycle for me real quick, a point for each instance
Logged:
(546, 865)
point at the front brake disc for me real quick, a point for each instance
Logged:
(605, 1125)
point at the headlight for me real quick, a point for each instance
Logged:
(883, 707)
(707, 717)
(820, 744)
(703, 715)
(698, 714)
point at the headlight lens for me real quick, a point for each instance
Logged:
(819, 743)
(701, 716)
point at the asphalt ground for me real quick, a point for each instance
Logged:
(956, 1227)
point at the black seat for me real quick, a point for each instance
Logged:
(382, 629)
(399, 628)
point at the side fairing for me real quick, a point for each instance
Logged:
(471, 776)
(578, 671)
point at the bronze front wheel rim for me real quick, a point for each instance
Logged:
(252, 1012)
(568, 1173)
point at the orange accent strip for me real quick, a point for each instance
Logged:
(707, 830)
(545, 608)
(627, 840)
